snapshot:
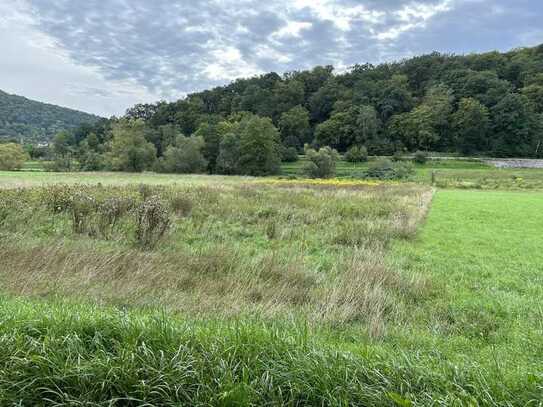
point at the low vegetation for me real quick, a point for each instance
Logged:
(302, 249)
(233, 291)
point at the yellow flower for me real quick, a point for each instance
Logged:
(324, 182)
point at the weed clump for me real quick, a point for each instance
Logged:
(152, 221)
(110, 212)
(57, 198)
(180, 205)
(82, 207)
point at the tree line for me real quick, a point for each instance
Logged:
(477, 104)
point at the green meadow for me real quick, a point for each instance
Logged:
(125, 289)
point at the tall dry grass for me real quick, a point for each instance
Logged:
(230, 249)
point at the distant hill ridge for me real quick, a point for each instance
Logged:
(32, 121)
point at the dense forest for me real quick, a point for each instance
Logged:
(31, 121)
(477, 104)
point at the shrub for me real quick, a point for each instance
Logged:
(403, 170)
(420, 157)
(386, 169)
(110, 211)
(57, 198)
(382, 169)
(184, 157)
(290, 154)
(12, 156)
(322, 163)
(152, 222)
(357, 154)
(82, 208)
(91, 161)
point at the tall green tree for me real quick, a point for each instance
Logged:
(515, 127)
(396, 97)
(184, 156)
(355, 126)
(534, 93)
(129, 150)
(63, 144)
(368, 125)
(259, 147)
(229, 154)
(294, 127)
(286, 95)
(211, 135)
(470, 124)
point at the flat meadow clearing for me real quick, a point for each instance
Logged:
(123, 289)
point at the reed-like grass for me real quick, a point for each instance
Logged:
(59, 353)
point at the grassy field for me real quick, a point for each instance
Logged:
(450, 173)
(270, 291)
(481, 251)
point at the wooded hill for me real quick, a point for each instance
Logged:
(478, 104)
(31, 121)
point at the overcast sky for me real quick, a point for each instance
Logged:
(102, 56)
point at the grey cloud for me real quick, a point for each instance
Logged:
(175, 47)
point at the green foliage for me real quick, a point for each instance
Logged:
(396, 97)
(294, 127)
(289, 155)
(423, 127)
(259, 147)
(385, 169)
(321, 164)
(515, 128)
(484, 104)
(184, 157)
(211, 135)
(420, 157)
(470, 125)
(22, 118)
(229, 152)
(12, 156)
(368, 124)
(129, 150)
(60, 164)
(356, 154)
(534, 93)
(63, 143)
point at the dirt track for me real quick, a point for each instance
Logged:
(516, 163)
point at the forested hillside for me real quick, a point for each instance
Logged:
(31, 121)
(485, 104)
